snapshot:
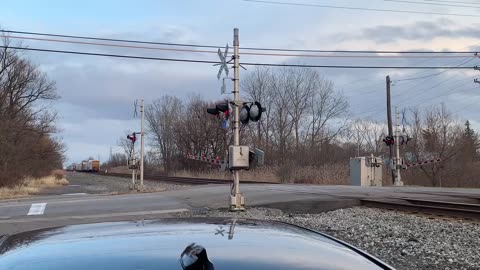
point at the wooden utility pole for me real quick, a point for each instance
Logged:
(390, 128)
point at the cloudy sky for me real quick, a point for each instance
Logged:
(97, 93)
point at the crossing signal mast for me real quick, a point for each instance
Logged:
(476, 80)
(133, 163)
(239, 156)
(132, 160)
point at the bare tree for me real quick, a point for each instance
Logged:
(301, 84)
(282, 122)
(257, 85)
(326, 106)
(435, 135)
(27, 144)
(126, 145)
(368, 134)
(163, 116)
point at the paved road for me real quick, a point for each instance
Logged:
(57, 210)
(90, 183)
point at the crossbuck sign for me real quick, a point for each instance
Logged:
(223, 62)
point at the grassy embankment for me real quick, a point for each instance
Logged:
(31, 186)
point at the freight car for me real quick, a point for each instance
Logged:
(93, 166)
(85, 166)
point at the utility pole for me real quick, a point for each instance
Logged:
(390, 129)
(142, 146)
(477, 69)
(237, 199)
(134, 161)
(398, 178)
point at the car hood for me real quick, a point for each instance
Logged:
(230, 244)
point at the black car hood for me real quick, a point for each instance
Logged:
(230, 244)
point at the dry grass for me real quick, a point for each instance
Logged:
(262, 175)
(332, 174)
(30, 186)
(335, 174)
(202, 174)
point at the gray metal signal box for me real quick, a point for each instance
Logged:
(366, 171)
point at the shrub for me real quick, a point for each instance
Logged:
(58, 174)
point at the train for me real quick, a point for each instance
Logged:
(85, 166)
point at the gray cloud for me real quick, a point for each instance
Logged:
(97, 93)
(419, 31)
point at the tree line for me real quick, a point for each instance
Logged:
(308, 127)
(28, 146)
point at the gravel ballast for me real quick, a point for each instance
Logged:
(403, 240)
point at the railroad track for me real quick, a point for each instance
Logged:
(437, 208)
(184, 180)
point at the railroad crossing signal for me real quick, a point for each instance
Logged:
(132, 137)
(223, 62)
(252, 112)
(224, 87)
(389, 140)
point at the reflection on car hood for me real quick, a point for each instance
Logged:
(230, 244)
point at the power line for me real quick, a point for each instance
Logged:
(423, 92)
(216, 62)
(434, 74)
(244, 53)
(243, 48)
(111, 45)
(433, 4)
(359, 8)
(450, 90)
(415, 88)
(109, 39)
(459, 2)
(112, 55)
(448, 93)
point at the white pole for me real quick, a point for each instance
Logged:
(133, 162)
(236, 120)
(142, 147)
(398, 178)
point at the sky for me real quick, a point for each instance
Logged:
(97, 93)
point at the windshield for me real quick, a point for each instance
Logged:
(355, 119)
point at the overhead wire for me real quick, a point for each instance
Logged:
(266, 64)
(417, 92)
(360, 8)
(424, 91)
(382, 109)
(217, 62)
(449, 91)
(435, 74)
(414, 90)
(243, 53)
(433, 4)
(242, 48)
(446, 1)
